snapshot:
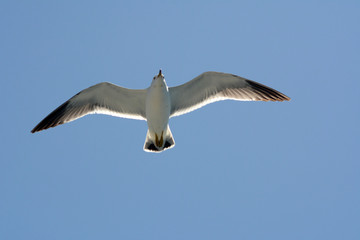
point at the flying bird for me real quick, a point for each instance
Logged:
(158, 103)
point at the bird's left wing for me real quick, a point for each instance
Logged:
(215, 86)
(103, 98)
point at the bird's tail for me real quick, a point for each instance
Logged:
(159, 142)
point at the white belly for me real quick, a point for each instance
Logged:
(158, 108)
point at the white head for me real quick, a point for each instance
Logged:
(159, 79)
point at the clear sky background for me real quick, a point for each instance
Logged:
(239, 170)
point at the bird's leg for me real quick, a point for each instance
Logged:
(159, 141)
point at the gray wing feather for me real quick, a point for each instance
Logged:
(215, 86)
(102, 98)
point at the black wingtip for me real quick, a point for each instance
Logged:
(52, 120)
(270, 94)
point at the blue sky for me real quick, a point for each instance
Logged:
(239, 170)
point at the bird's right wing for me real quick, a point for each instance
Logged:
(103, 98)
(215, 86)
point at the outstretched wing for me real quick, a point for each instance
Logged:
(215, 86)
(103, 98)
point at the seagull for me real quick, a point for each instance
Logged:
(158, 103)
